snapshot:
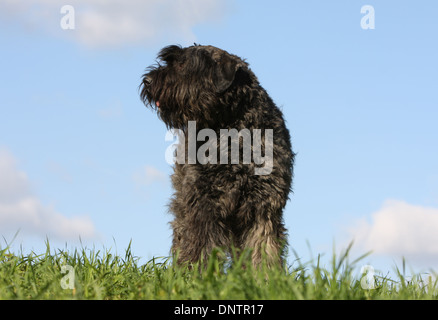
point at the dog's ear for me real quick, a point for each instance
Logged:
(225, 73)
(170, 53)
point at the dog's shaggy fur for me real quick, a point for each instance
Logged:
(221, 205)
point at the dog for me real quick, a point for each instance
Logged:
(206, 91)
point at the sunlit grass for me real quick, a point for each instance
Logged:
(103, 275)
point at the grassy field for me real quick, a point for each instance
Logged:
(91, 274)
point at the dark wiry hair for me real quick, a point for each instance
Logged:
(215, 204)
(196, 83)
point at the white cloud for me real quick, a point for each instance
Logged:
(13, 183)
(401, 229)
(148, 175)
(21, 210)
(106, 23)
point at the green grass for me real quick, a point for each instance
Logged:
(102, 275)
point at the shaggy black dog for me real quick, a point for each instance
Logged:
(224, 201)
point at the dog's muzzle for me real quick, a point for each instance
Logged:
(147, 81)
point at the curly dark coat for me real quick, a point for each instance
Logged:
(221, 205)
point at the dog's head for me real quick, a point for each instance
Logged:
(197, 83)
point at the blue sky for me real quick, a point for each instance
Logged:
(81, 155)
